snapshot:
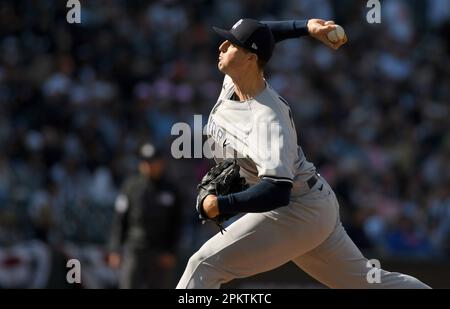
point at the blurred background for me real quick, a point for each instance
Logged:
(78, 100)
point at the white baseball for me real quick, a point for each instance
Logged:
(336, 35)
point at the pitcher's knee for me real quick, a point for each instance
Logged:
(196, 260)
(203, 272)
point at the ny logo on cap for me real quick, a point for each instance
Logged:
(237, 24)
(254, 46)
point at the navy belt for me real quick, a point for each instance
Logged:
(313, 180)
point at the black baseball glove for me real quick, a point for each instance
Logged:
(222, 179)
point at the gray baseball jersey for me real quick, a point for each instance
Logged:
(261, 134)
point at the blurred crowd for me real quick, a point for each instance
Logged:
(77, 100)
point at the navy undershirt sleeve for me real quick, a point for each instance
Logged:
(264, 196)
(289, 29)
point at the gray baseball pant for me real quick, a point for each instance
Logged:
(308, 232)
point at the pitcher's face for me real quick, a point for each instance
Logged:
(233, 58)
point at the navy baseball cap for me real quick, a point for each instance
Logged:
(252, 35)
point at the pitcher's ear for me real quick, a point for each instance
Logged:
(253, 57)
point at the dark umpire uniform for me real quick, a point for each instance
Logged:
(146, 226)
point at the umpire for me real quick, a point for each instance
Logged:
(146, 226)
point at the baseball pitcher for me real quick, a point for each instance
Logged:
(292, 214)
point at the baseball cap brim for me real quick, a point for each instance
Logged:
(226, 34)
